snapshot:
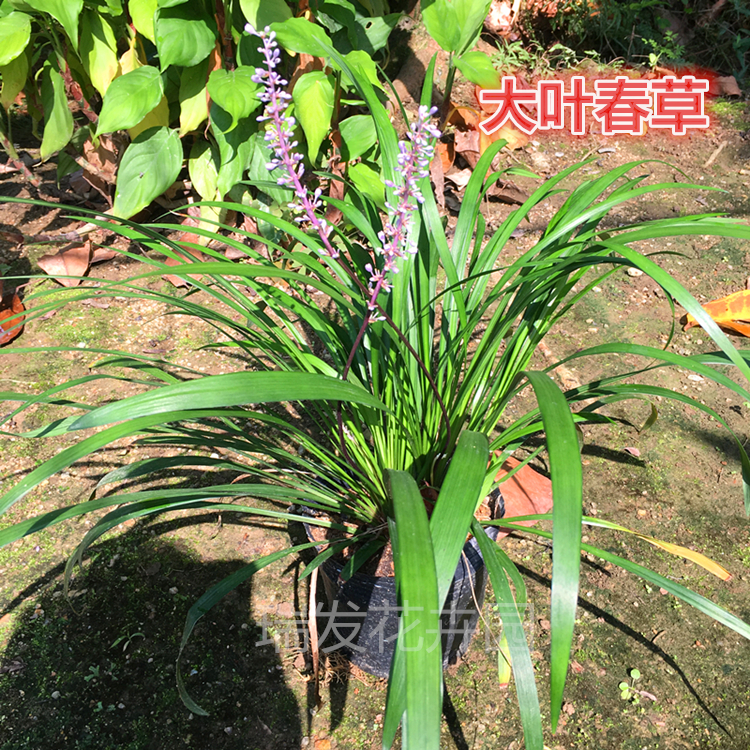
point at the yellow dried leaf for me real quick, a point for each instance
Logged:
(731, 312)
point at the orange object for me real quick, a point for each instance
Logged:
(525, 493)
(731, 312)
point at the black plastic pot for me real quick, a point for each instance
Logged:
(362, 617)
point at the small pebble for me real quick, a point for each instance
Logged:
(635, 272)
(55, 695)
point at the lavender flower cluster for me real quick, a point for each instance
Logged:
(413, 160)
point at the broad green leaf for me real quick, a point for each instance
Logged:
(301, 35)
(262, 13)
(14, 79)
(58, 120)
(235, 92)
(357, 136)
(477, 67)
(142, 16)
(228, 390)
(156, 118)
(203, 168)
(369, 182)
(567, 493)
(185, 35)
(454, 24)
(66, 12)
(149, 166)
(15, 32)
(236, 146)
(193, 97)
(313, 104)
(130, 98)
(416, 582)
(98, 50)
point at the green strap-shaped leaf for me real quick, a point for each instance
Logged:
(98, 50)
(150, 166)
(185, 35)
(313, 105)
(66, 12)
(458, 499)
(58, 120)
(15, 32)
(235, 91)
(231, 389)
(498, 563)
(567, 490)
(449, 525)
(419, 621)
(130, 98)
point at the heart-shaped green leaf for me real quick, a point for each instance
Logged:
(313, 105)
(15, 31)
(58, 120)
(185, 35)
(149, 166)
(130, 98)
(235, 91)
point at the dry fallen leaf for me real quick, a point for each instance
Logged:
(187, 255)
(731, 312)
(72, 260)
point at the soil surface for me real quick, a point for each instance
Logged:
(97, 670)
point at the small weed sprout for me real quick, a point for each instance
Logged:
(627, 689)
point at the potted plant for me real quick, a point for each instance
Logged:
(394, 353)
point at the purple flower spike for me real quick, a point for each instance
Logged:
(414, 164)
(280, 135)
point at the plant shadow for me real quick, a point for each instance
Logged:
(98, 670)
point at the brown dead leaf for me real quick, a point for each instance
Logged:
(447, 154)
(731, 312)
(10, 305)
(728, 86)
(515, 138)
(72, 260)
(467, 144)
(507, 193)
(459, 177)
(101, 254)
(463, 118)
(632, 451)
(187, 255)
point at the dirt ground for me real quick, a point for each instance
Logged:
(98, 670)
